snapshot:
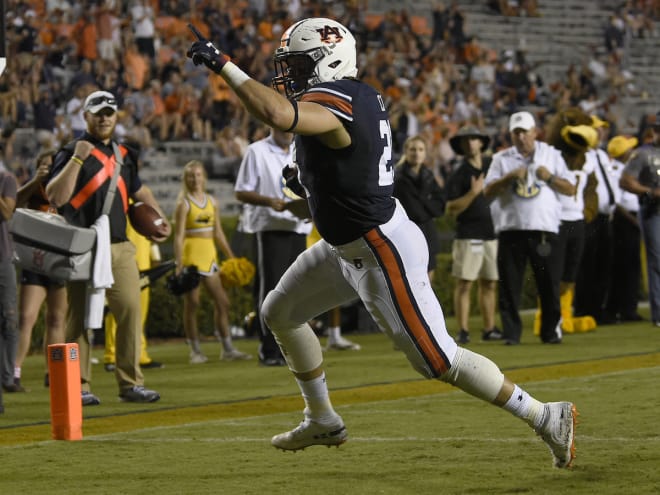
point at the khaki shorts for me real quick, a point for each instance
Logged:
(474, 259)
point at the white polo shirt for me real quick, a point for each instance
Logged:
(261, 172)
(530, 204)
(627, 200)
(592, 157)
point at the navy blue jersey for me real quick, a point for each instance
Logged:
(350, 189)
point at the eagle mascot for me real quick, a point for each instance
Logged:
(572, 132)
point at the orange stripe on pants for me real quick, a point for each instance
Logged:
(405, 303)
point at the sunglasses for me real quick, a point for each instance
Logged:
(102, 99)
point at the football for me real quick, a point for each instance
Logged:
(145, 220)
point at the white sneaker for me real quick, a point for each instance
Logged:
(234, 355)
(341, 344)
(309, 432)
(197, 358)
(558, 432)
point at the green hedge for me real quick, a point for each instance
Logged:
(165, 312)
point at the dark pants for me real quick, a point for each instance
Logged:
(593, 280)
(8, 322)
(570, 246)
(623, 297)
(276, 251)
(515, 248)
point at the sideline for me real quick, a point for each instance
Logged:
(24, 435)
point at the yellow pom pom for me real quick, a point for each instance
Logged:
(236, 272)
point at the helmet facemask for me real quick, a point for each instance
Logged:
(294, 72)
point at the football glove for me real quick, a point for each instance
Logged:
(204, 52)
(290, 175)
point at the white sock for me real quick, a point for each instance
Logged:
(526, 407)
(227, 344)
(194, 346)
(334, 333)
(317, 399)
(17, 373)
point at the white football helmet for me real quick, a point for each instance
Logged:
(312, 51)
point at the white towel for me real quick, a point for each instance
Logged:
(101, 274)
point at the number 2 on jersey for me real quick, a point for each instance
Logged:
(385, 168)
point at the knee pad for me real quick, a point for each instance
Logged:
(276, 311)
(475, 374)
(300, 347)
(298, 342)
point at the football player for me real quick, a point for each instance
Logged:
(369, 248)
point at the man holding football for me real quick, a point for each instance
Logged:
(80, 179)
(369, 247)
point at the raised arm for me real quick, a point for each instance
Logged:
(61, 187)
(28, 189)
(266, 104)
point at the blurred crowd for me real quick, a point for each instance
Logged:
(436, 76)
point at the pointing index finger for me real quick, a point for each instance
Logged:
(196, 32)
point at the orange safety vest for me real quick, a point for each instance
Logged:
(93, 185)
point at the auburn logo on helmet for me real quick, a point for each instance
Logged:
(330, 34)
(284, 41)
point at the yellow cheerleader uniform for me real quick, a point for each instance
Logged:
(200, 251)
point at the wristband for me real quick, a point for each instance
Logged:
(76, 159)
(550, 179)
(233, 74)
(294, 104)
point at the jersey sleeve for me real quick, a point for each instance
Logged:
(335, 100)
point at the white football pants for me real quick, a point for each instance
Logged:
(387, 270)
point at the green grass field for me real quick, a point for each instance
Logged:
(210, 433)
